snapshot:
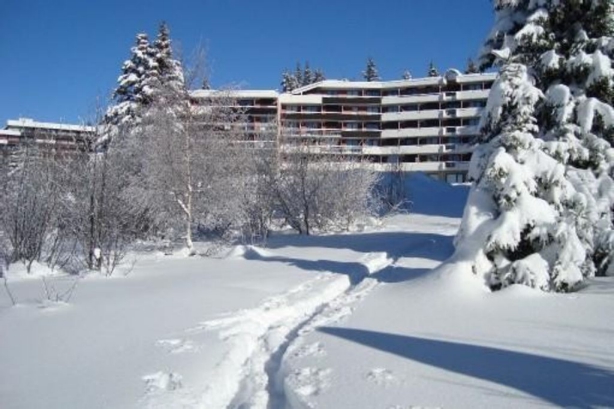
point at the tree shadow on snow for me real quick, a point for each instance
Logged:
(355, 271)
(396, 244)
(557, 381)
(435, 247)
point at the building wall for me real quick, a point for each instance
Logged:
(424, 124)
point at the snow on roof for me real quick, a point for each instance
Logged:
(10, 132)
(204, 93)
(343, 84)
(288, 98)
(31, 123)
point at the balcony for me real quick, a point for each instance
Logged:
(412, 115)
(412, 132)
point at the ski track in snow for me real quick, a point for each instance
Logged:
(251, 374)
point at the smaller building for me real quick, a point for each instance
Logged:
(56, 136)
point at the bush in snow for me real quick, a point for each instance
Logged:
(315, 190)
(541, 208)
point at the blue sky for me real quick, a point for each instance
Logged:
(57, 57)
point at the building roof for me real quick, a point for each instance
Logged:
(22, 123)
(344, 84)
(205, 93)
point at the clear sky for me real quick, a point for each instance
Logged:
(58, 56)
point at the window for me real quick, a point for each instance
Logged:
(472, 121)
(372, 93)
(291, 108)
(455, 178)
(373, 126)
(472, 87)
(477, 103)
(352, 125)
(391, 109)
(311, 108)
(312, 125)
(373, 109)
(353, 93)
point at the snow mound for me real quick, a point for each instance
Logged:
(247, 252)
(19, 272)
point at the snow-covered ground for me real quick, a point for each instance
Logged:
(357, 320)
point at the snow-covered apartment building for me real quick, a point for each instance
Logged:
(61, 137)
(422, 124)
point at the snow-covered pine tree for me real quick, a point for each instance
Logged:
(406, 75)
(433, 70)
(298, 75)
(318, 75)
(370, 73)
(129, 94)
(567, 46)
(472, 67)
(514, 210)
(288, 81)
(166, 72)
(307, 75)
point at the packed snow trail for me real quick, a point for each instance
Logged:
(251, 374)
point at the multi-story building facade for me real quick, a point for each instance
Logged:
(423, 124)
(60, 137)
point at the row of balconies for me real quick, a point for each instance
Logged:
(388, 133)
(384, 150)
(431, 114)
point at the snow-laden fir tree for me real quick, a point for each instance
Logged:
(288, 81)
(300, 77)
(406, 75)
(432, 72)
(308, 75)
(472, 67)
(151, 72)
(370, 73)
(131, 91)
(167, 72)
(565, 48)
(298, 74)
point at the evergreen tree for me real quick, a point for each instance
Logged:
(406, 75)
(298, 75)
(472, 68)
(288, 81)
(433, 70)
(131, 91)
(167, 72)
(150, 74)
(370, 73)
(567, 47)
(308, 77)
(318, 76)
